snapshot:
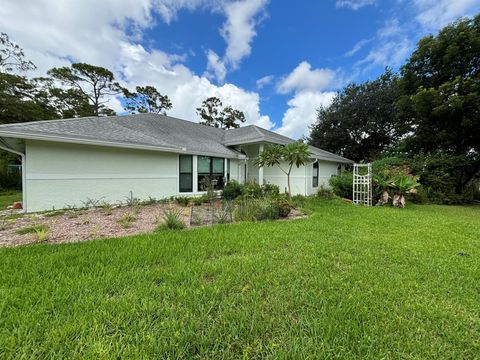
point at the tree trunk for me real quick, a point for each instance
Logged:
(383, 198)
(289, 189)
(399, 201)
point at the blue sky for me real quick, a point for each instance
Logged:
(275, 60)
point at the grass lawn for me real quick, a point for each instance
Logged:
(8, 197)
(347, 282)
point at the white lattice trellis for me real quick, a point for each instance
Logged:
(362, 184)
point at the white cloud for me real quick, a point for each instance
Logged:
(392, 46)
(434, 14)
(302, 112)
(354, 4)
(215, 67)
(100, 33)
(357, 47)
(239, 29)
(262, 82)
(303, 77)
(238, 32)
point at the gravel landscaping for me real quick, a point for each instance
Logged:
(64, 226)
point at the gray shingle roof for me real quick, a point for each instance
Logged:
(152, 131)
(254, 134)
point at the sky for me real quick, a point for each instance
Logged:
(275, 60)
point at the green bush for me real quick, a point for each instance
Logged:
(342, 185)
(325, 192)
(270, 190)
(232, 190)
(298, 201)
(443, 177)
(248, 209)
(32, 229)
(255, 191)
(284, 208)
(199, 200)
(9, 181)
(171, 221)
(182, 200)
(252, 190)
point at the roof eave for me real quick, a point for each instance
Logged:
(62, 139)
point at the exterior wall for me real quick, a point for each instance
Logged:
(236, 170)
(301, 179)
(327, 169)
(60, 175)
(252, 170)
(298, 177)
(67, 174)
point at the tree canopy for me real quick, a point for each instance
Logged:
(146, 99)
(212, 113)
(94, 82)
(440, 91)
(12, 56)
(361, 121)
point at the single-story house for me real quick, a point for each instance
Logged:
(66, 162)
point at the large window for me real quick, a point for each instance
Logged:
(315, 175)
(210, 169)
(186, 173)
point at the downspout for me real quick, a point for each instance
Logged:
(24, 175)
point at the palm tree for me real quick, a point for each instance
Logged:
(296, 153)
(402, 185)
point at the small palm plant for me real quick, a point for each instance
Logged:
(402, 185)
(382, 182)
(296, 153)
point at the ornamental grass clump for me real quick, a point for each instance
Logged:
(172, 220)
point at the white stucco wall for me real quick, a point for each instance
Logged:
(301, 179)
(60, 175)
(67, 174)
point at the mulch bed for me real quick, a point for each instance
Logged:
(80, 225)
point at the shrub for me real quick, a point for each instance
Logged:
(284, 208)
(252, 190)
(107, 208)
(9, 181)
(223, 215)
(444, 178)
(325, 192)
(232, 190)
(342, 185)
(150, 201)
(256, 209)
(41, 234)
(199, 200)
(126, 220)
(54, 213)
(267, 210)
(171, 221)
(131, 200)
(298, 201)
(270, 190)
(32, 229)
(182, 200)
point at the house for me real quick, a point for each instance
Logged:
(67, 161)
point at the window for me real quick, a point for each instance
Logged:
(186, 173)
(339, 169)
(210, 169)
(315, 175)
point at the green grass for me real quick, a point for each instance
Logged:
(7, 198)
(347, 282)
